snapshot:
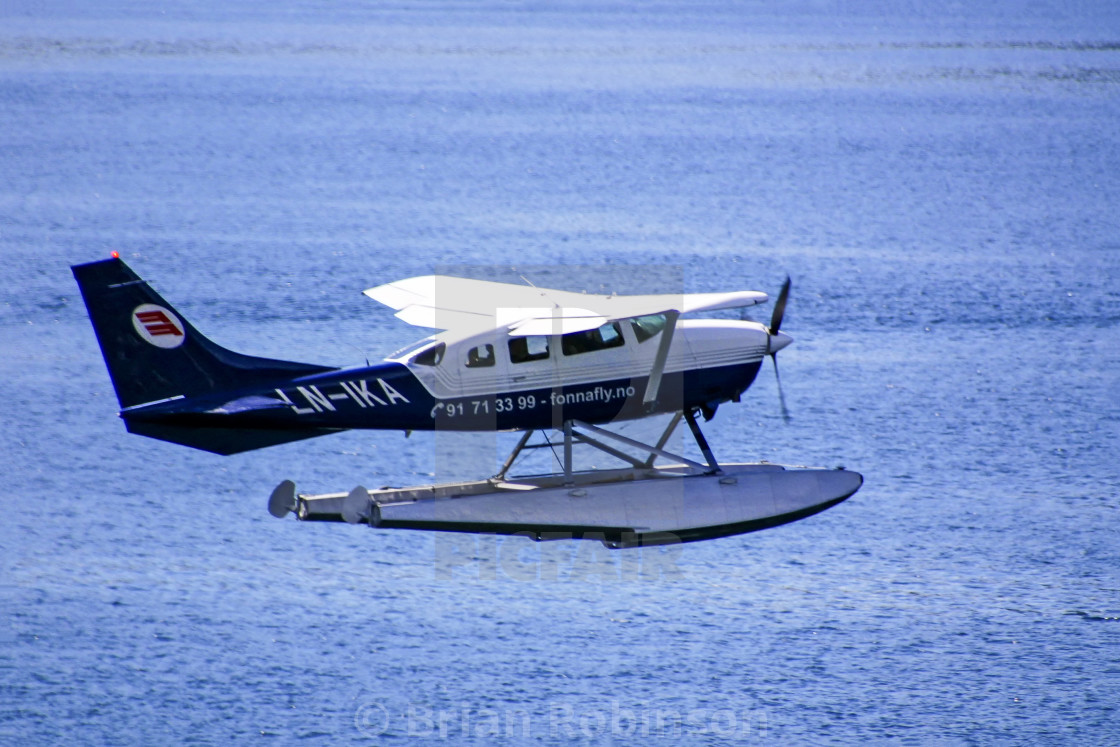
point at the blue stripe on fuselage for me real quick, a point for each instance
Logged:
(595, 402)
(389, 397)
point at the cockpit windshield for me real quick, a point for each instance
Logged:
(646, 327)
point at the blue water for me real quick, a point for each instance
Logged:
(941, 182)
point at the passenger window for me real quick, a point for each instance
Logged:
(525, 349)
(646, 327)
(607, 336)
(481, 356)
(430, 357)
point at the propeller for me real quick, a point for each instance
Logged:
(779, 307)
(775, 326)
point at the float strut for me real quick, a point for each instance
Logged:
(513, 456)
(568, 452)
(713, 465)
(664, 439)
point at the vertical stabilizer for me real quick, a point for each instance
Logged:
(153, 353)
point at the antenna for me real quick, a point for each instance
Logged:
(363, 351)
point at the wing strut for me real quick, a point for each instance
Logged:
(660, 358)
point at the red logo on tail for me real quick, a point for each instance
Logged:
(158, 326)
(157, 323)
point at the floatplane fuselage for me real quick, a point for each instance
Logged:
(177, 385)
(506, 358)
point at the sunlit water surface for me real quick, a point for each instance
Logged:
(942, 186)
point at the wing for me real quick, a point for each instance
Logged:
(444, 302)
(450, 303)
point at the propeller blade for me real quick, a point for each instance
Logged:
(779, 308)
(775, 326)
(781, 394)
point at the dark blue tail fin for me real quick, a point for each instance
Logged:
(153, 353)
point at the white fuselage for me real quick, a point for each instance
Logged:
(494, 361)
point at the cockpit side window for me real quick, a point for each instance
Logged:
(430, 357)
(530, 348)
(481, 356)
(646, 327)
(607, 336)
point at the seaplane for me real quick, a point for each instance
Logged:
(504, 357)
